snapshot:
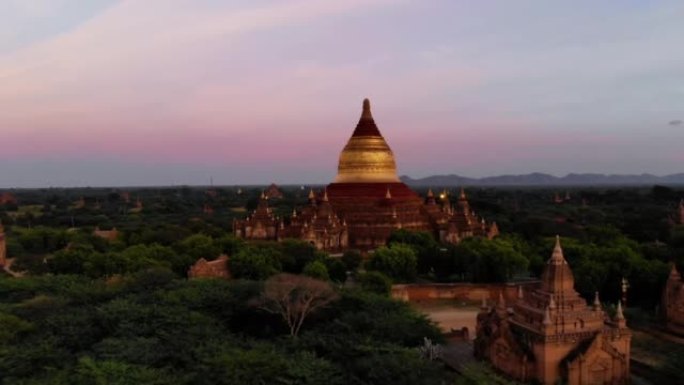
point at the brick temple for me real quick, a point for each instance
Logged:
(365, 203)
(551, 335)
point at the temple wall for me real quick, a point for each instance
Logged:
(460, 291)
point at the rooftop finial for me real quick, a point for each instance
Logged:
(557, 257)
(618, 313)
(366, 114)
(502, 302)
(597, 301)
(388, 194)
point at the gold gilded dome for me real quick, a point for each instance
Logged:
(366, 158)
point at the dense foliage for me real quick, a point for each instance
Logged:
(91, 311)
(151, 328)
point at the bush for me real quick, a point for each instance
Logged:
(375, 282)
(316, 269)
(398, 261)
(255, 263)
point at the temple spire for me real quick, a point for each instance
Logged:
(502, 302)
(619, 315)
(557, 257)
(597, 301)
(366, 113)
(325, 195)
(462, 194)
(674, 274)
(520, 292)
(388, 194)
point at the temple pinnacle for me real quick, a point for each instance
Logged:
(366, 114)
(557, 257)
(618, 313)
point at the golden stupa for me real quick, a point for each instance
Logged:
(366, 158)
(365, 204)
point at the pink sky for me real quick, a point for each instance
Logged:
(261, 91)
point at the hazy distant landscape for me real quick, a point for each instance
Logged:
(541, 179)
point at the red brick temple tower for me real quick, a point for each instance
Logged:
(551, 335)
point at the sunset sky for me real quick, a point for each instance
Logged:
(158, 92)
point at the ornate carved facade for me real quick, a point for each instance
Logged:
(673, 302)
(260, 225)
(551, 335)
(318, 224)
(367, 201)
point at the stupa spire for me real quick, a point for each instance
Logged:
(366, 112)
(557, 257)
(366, 126)
(557, 276)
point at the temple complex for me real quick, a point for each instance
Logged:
(366, 202)
(551, 335)
(3, 246)
(673, 302)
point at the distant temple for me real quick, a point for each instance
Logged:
(365, 203)
(7, 198)
(673, 302)
(550, 335)
(3, 246)
(110, 235)
(217, 268)
(260, 225)
(273, 192)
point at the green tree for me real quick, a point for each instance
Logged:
(375, 282)
(316, 269)
(255, 262)
(352, 259)
(398, 261)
